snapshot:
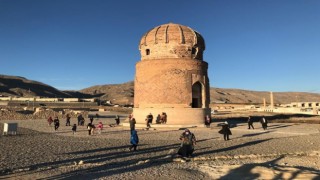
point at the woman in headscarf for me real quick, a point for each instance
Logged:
(188, 141)
(225, 131)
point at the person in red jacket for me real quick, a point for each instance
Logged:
(100, 127)
(50, 120)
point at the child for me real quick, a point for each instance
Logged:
(74, 128)
(117, 120)
(56, 123)
(100, 127)
(134, 140)
(90, 128)
(50, 120)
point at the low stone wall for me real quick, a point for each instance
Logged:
(50, 104)
(45, 114)
(175, 116)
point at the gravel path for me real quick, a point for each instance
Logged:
(37, 152)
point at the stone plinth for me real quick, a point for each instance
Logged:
(175, 116)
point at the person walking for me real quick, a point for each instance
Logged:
(68, 117)
(147, 122)
(117, 120)
(250, 123)
(50, 120)
(132, 122)
(188, 141)
(79, 119)
(150, 118)
(56, 123)
(90, 128)
(74, 129)
(134, 140)
(225, 131)
(264, 123)
(91, 119)
(207, 121)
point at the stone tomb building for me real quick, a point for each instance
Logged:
(172, 76)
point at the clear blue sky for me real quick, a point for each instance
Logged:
(264, 45)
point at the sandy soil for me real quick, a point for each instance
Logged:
(284, 151)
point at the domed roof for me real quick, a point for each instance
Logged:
(171, 41)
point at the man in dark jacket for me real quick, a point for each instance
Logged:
(150, 118)
(56, 123)
(250, 123)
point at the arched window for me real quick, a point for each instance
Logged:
(147, 51)
(197, 95)
(193, 52)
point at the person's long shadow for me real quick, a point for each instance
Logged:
(255, 134)
(107, 131)
(202, 140)
(101, 149)
(231, 148)
(112, 168)
(108, 157)
(155, 132)
(246, 171)
(109, 169)
(279, 126)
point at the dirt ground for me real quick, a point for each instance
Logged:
(283, 151)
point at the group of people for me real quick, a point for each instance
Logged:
(162, 119)
(226, 128)
(90, 126)
(187, 138)
(55, 121)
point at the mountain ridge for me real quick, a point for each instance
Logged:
(124, 93)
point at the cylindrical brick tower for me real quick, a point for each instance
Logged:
(172, 76)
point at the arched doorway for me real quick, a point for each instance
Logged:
(197, 95)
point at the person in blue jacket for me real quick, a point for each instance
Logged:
(134, 140)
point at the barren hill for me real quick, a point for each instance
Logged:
(247, 96)
(116, 93)
(22, 87)
(124, 93)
